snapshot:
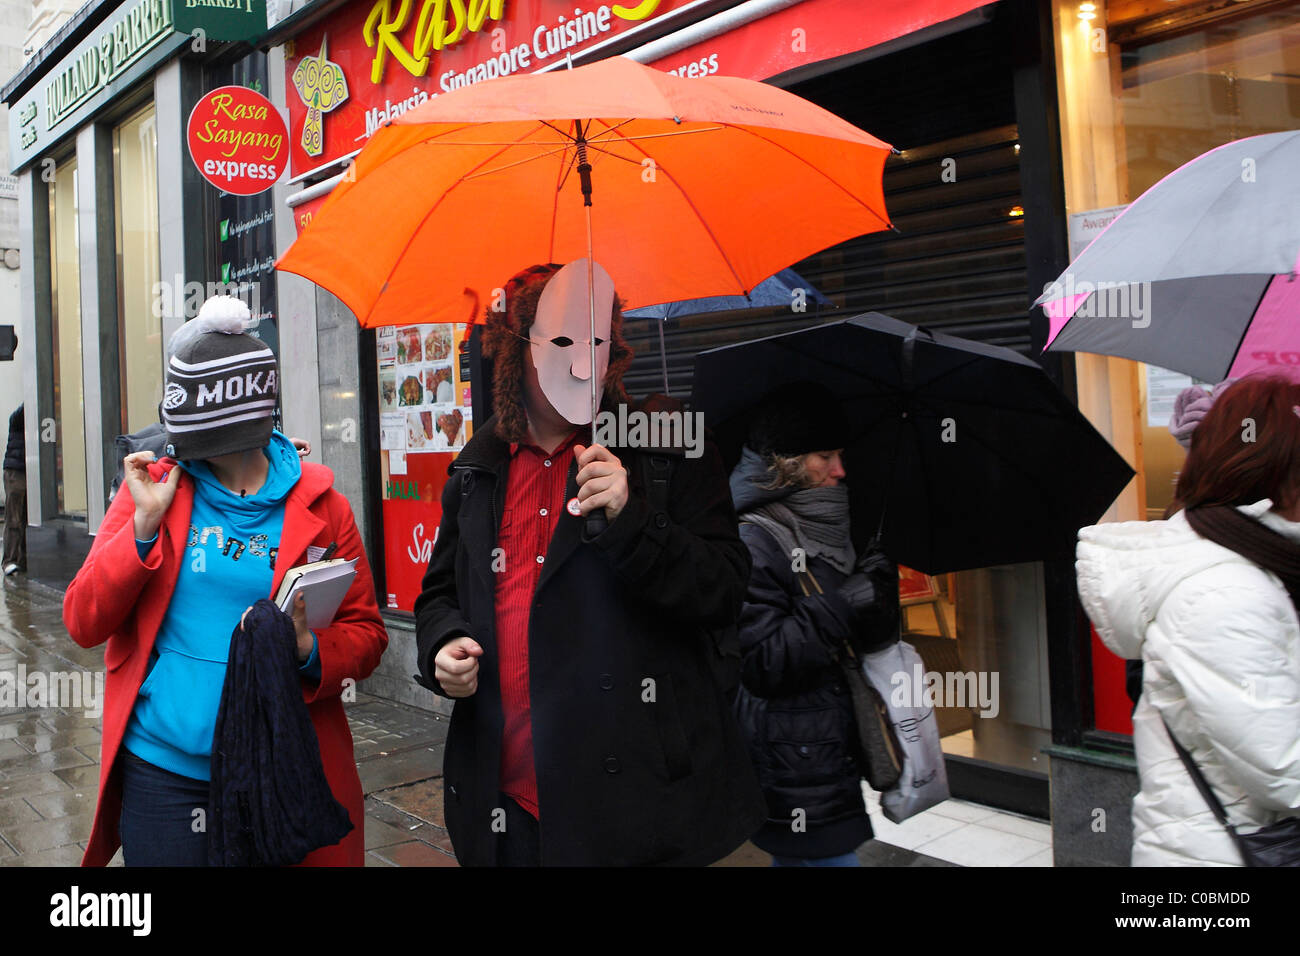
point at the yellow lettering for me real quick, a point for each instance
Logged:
(380, 31)
(434, 29)
(427, 28)
(480, 10)
(458, 11)
(640, 12)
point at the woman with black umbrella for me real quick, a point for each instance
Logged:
(812, 601)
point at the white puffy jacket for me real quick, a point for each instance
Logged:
(1221, 646)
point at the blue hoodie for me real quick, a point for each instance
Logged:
(229, 564)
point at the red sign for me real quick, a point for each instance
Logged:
(809, 32)
(238, 140)
(305, 212)
(412, 513)
(378, 58)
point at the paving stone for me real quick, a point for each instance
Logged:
(407, 766)
(47, 834)
(745, 855)
(415, 853)
(412, 827)
(65, 803)
(18, 724)
(70, 720)
(421, 800)
(374, 718)
(62, 856)
(45, 742)
(32, 784)
(63, 759)
(11, 748)
(878, 853)
(375, 860)
(81, 778)
(384, 834)
(16, 811)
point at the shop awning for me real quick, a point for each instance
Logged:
(763, 39)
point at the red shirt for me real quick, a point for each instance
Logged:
(533, 503)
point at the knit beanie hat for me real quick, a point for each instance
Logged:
(222, 384)
(796, 419)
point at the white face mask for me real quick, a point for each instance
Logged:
(560, 338)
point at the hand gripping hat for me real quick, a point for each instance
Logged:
(222, 384)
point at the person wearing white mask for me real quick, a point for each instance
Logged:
(592, 669)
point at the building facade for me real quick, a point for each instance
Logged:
(1021, 125)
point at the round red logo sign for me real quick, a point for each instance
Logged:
(238, 140)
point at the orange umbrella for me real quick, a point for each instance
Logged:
(695, 187)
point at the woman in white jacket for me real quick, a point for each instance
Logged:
(1217, 631)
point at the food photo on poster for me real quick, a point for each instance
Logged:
(421, 428)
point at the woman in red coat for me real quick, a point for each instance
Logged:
(189, 546)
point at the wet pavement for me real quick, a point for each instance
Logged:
(49, 759)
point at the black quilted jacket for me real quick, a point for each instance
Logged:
(794, 707)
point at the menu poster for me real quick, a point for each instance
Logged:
(424, 420)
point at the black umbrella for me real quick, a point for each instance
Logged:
(961, 455)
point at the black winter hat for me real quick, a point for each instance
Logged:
(222, 384)
(796, 419)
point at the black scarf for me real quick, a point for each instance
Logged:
(1272, 551)
(270, 802)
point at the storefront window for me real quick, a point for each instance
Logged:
(983, 635)
(69, 412)
(1177, 99)
(135, 200)
(1141, 95)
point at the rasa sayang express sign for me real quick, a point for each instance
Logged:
(378, 58)
(238, 140)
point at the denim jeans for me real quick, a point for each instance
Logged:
(159, 825)
(844, 859)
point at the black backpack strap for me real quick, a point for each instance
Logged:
(656, 476)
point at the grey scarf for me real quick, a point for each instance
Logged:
(815, 519)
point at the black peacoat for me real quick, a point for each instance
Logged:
(638, 756)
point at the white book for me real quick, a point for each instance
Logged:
(323, 582)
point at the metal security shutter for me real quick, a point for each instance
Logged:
(957, 264)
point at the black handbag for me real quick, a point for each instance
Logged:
(1275, 845)
(881, 757)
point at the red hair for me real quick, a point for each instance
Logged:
(1247, 447)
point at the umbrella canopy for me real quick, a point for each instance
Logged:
(453, 197)
(1199, 273)
(969, 452)
(779, 289)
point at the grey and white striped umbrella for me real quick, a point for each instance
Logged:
(1199, 274)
